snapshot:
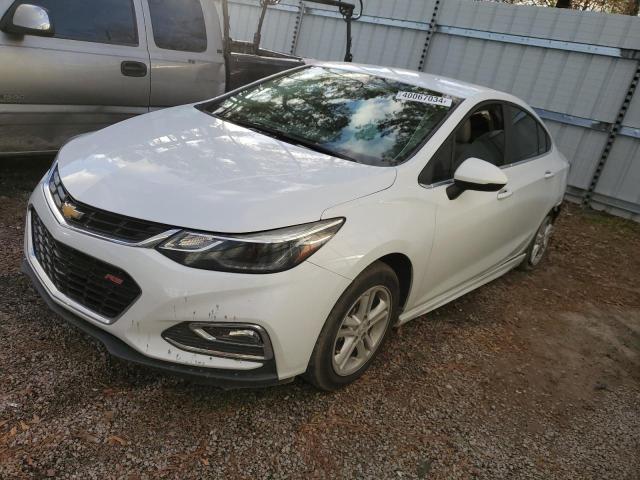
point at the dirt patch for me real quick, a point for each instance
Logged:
(536, 375)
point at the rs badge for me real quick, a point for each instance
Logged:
(113, 279)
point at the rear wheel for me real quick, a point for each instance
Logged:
(539, 244)
(355, 329)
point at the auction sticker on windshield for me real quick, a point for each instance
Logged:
(421, 97)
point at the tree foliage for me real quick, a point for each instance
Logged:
(623, 7)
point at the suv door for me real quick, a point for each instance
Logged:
(473, 233)
(186, 50)
(91, 73)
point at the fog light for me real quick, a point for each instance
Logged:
(240, 341)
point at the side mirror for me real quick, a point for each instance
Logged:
(27, 19)
(478, 175)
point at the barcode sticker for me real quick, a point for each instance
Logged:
(422, 98)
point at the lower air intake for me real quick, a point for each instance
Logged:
(94, 284)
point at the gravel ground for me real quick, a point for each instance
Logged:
(536, 375)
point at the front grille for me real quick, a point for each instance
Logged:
(92, 219)
(100, 287)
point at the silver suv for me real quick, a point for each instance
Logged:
(75, 65)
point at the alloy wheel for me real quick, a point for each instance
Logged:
(361, 330)
(541, 242)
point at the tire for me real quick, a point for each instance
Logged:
(539, 244)
(331, 365)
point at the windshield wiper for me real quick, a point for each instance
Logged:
(278, 135)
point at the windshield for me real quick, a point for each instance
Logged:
(352, 115)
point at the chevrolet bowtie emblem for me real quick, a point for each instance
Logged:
(70, 212)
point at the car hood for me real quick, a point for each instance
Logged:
(185, 168)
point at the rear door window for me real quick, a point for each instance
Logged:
(528, 138)
(103, 21)
(178, 25)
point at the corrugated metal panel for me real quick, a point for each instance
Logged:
(621, 176)
(371, 45)
(244, 20)
(392, 46)
(324, 38)
(579, 84)
(579, 145)
(632, 119)
(561, 25)
(415, 10)
(277, 31)
(558, 24)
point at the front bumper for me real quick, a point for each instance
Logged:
(290, 306)
(260, 377)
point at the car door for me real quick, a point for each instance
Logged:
(186, 51)
(92, 72)
(474, 232)
(533, 172)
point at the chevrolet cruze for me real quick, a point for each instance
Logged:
(282, 229)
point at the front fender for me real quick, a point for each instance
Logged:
(376, 226)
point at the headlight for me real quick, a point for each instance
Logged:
(262, 252)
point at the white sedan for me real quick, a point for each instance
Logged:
(283, 228)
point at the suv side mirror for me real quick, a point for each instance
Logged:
(27, 19)
(476, 174)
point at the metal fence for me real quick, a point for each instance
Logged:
(578, 69)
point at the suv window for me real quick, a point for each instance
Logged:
(528, 137)
(104, 21)
(178, 25)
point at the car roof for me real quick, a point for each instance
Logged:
(445, 85)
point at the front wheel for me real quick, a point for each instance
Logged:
(538, 246)
(355, 329)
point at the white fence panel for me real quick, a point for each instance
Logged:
(619, 185)
(558, 24)
(580, 146)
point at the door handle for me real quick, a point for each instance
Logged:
(504, 193)
(549, 174)
(133, 69)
